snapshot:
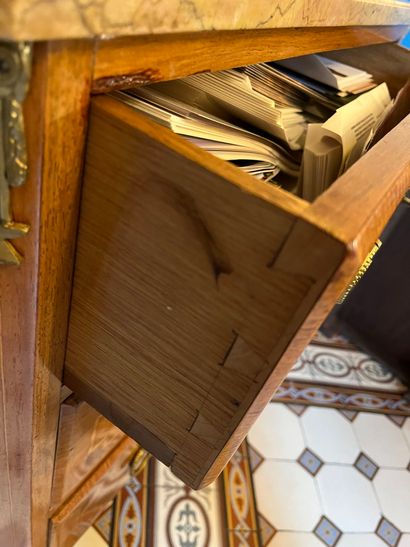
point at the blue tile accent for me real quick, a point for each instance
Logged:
(310, 461)
(327, 532)
(388, 532)
(366, 466)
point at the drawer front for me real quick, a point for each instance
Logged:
(85, 438)
(196, 286)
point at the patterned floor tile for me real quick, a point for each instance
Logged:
(333, 471)
(398, 420)
(241, 538)
(295, 539)
(349, 414)
(187, 517)
(297, 409)
(130, 512)
(327, 532)
(360, 540)
(330, 364)
(342, 397)
(238, 492)
(366, 466)
(374, 375)
(302, 369)
(287, 496)
(267, 531)
(277, 433)
(393, 491)
(310, 461)
(381, 440)
(334, 366)
(330, 435)
(349, 500)
(104, 523)
(388, 532)
(255, 459)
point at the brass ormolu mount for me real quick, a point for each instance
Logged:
(15, 64)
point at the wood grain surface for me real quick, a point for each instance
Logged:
(34, 296)
(80, 511)
(181, 281)
(84, 439)
(68, 67)
(130, 61)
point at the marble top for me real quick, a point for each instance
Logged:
(54, 19)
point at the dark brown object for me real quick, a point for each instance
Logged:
(376, 314)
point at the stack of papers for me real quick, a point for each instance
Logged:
(262, 117)
(289, 89)
(333, 146)
(332, 73)
(252, 153)
(232, 90)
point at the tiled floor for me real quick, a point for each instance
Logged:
(155, 509)
(330, 463)
(326, 480)
(330, 365)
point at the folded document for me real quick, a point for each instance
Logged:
(331, 147)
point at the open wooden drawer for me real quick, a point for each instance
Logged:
(196, 286)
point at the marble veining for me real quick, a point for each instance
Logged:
(52, 19)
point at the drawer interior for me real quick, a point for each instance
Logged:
(197, 285)
(388, 63)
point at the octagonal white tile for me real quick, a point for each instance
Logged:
(360, 540)
(294, 539)
(393, 490)
(277, 433)
(330, 435)
(405, 540)
(286, 495)
(348, 498)
(381, 440)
